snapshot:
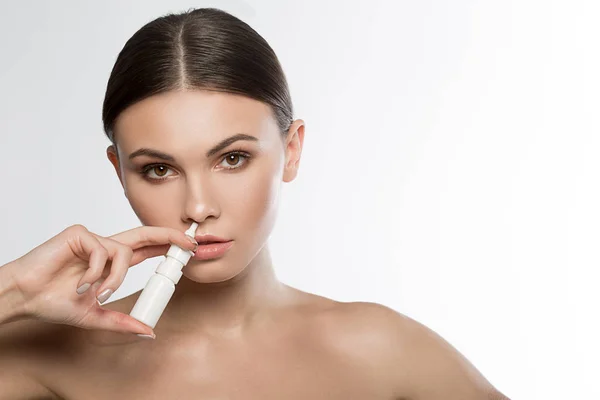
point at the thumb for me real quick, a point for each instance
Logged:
(101, 318)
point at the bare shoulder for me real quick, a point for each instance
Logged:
(371, 332)
(27, 351)
(410, 357)
(37, 357)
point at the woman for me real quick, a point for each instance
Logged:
(202, 128)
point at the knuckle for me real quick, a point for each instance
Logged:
(127, 251)
(102, 251)
(122, 250)
(77, 228)
(145, 234)
(129, 256)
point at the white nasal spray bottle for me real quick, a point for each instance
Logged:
(161, 286)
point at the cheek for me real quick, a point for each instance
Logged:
(153, 207)
(256, 199)
(262, 200)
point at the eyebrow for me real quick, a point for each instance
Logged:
(215, 149)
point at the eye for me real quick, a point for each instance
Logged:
(159, 170)
(235, 159)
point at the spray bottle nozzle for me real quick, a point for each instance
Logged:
(191, 232)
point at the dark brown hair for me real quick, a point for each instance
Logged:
(202, 48)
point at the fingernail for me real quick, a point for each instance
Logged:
(142, 335)
(81, 289)
(102, 297)
(192, 240)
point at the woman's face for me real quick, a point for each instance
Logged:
(176, 165)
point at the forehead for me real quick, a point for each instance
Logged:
(194, 117)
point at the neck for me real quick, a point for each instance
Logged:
(225, 307)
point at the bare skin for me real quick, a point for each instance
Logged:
(310, 348)
(232, 330)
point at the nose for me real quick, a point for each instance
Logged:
(200, 205)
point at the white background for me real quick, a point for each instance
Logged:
(450, 168)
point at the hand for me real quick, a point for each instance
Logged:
(55, 278)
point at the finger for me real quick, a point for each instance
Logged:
(120, 255)
(101, 270)
(79, 241)
(154, 235)
(144, 253)
(85, 246)
(101, 318)
(141, 253)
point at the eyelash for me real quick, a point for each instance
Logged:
(147, 168)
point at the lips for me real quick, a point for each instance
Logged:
(211, 247)
(209, 239)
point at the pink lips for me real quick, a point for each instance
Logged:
(211, 247)
(209, 238)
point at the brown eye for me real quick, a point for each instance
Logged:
(156, 172)
(233, 159)
(163, 170)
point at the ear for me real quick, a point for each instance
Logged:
(113, 156)
(293, 150)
